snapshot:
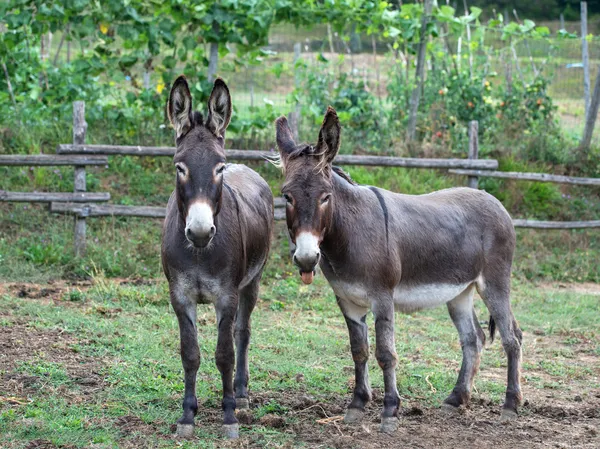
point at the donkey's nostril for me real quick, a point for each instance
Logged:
(213, 229)
(295, 259)
(188, 233)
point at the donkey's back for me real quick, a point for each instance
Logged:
(452, 232)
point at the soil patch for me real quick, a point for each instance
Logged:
(22, 343)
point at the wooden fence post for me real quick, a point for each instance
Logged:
(590, 118)
(79, 131)
(585, 57)
(473, 181)
(420, 75)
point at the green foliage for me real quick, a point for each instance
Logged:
(361, 114)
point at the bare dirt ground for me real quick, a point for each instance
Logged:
(559, 418)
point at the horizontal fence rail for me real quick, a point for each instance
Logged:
(540, 177)
(108, 210)
(520, 223)
(101, 210)
(104, 210)
(50, 160)
(47, 197)
(253, 155)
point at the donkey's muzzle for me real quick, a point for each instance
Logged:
(200, 238)
(307, 262)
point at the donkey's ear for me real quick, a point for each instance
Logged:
(329, 136)
(219, 108)
(179, 107)
(284, 137)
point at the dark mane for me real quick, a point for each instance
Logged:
(304, 149)
(345, 176)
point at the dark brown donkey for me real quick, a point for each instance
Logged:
(386, 251)
(216, 239)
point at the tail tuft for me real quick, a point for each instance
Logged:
(492, 329)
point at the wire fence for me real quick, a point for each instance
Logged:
(372, 59)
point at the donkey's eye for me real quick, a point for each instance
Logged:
(326, 198)
(220, 169)
(288, 198)
(180, 169)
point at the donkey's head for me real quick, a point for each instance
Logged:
(200, 158)
(308, 189)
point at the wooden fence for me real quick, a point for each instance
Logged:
(81, 204)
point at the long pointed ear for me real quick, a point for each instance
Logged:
(219, 108)
(329, 136)
(179, 107)
(284, 137)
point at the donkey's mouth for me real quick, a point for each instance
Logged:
(307, 277)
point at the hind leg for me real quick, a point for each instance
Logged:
(248, 297)
(495, 291)
(472, 340)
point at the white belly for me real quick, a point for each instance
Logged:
(412, 298)
(407, 299)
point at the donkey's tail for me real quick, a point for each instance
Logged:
(492, 329)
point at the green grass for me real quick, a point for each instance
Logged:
(128, 336)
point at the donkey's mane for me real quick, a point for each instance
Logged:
(345, 176)
(306, 149)
(303, 149)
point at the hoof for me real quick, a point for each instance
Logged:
(389, 425)
(508, 415)
(185, 430)
(231, 431)
(353, 416)
(450, 410)
(242, 403)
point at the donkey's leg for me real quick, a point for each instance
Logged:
(248, 297)
(472, 340)
(495, 291)
(385, 352)
(359, 343)
(185, 309)
(226, 308)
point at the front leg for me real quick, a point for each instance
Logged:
(385, 352)
(226, 308)
(185, 309)
(248, 297)
(355, 317)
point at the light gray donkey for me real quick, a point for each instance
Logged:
(216, 238)
(385, 251)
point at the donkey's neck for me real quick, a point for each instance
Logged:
(346, 197)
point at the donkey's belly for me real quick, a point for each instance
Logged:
(416, 297)
(407, 298)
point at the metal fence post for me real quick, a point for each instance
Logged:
(590, 119)
(473, 181)
(294, 116)
(585, 56)
(79, 131)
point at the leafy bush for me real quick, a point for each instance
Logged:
(362, 115)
